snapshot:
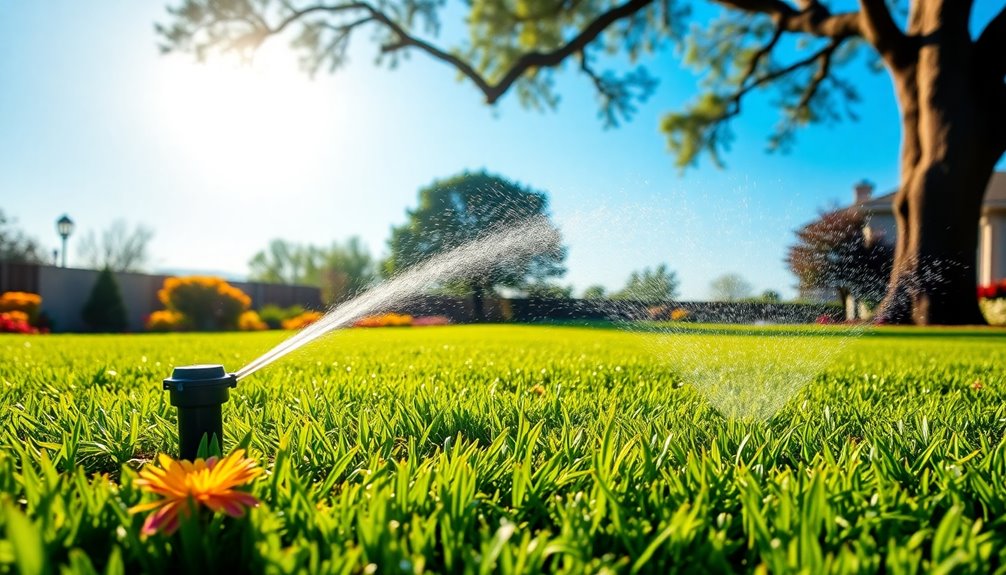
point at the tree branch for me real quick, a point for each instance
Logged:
(528, 61)
(822, 57)
(752, 66)
(812, 18)
(881, 31)
(492, 92)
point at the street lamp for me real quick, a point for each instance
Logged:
(64, 226)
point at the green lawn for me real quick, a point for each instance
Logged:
(525, 449)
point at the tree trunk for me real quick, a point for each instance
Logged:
(478, 306)
(945, 168)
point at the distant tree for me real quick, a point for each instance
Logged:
(284, 262)
(833, 253)
(729, 287)
(594, 292)
(548, 290)
(117, 249)
(658, 284)
(104, 310)
(16, 247)
(346, 269)
(463, 208)
(770, 296)
(340, 270)
(945, 66)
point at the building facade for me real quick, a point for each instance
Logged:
(991, 256)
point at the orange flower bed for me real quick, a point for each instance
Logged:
(250, 321)
(27, 303)
(303, 320)
(385, 320)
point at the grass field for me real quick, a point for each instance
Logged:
(525, 449)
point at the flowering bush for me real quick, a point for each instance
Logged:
(995, 290)
(27, 303)
(166, 320)
(992, 300)
(679, 314)
(250, 321)
(206, 303)
(385, 320)
(15, 322)
(303, 320)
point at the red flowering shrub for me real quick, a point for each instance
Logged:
(993, 291)
(15, 322)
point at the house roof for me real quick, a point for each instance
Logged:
(995, 196)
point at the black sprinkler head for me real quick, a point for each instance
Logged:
(199, 392)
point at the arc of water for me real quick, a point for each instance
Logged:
(528, 238)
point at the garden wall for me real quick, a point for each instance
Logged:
(65, 290)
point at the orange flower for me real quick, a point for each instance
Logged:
(183, 486)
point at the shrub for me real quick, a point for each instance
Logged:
(994, 310)
(15, 322)
(25, 302)
(250, 321)
(992, 300)
(274, 316)
(995, 290)
(166, 320)
(679, 314)
(104, 310)
(303, 320)
(207, 303)
(385, 320)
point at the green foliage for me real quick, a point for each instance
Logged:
(770, 296)
(273, 315)
(729, 287)
(105, 310)
(594, 292)
(656, 285)
(516, 450)
(340, 270)
(519, 45)
(548, 290)
(464, 208)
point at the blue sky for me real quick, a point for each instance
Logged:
(94, 122)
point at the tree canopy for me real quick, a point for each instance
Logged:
(650, 285)
(946, 71)
(833, 253)
(464, 208)
(729, 287)
(340, 270)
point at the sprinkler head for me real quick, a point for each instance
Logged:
(199, 392)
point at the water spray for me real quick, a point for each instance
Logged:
(199, 392)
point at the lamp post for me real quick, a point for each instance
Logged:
(64, 226)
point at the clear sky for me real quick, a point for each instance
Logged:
(217, 160)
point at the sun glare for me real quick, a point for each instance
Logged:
(245, 127)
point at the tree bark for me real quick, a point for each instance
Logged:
(478, 303)
(945, 169)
